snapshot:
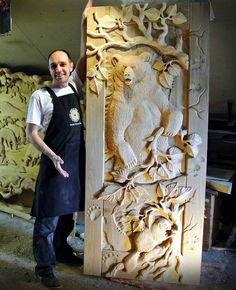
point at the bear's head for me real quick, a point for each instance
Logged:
(132, 68)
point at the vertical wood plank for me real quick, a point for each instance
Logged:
(197, 123)
(94, 172)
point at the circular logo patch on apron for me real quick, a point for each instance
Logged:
(74, 115)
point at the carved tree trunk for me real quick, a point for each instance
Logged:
(146, 122)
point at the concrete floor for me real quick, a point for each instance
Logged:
(17, 266)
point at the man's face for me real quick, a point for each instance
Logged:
(60, 68)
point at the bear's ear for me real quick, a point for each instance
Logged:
(115, 59)
(146, 56)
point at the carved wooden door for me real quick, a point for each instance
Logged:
(146, 123)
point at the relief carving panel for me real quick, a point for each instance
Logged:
(140, 59)
(19, 160)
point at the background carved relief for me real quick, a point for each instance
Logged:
(19, 159)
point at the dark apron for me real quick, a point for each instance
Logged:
(56, 195)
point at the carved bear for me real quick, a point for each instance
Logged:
(137, 109)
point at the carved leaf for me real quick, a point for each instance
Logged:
(92, 86)
(138, 226)
(141, 191)
(172, 189)
(123, 221)
(171, 167)
(166, 80)
(179, 18)
(192, 151)
(98, 85)
(152, 14)
(107, 22)
(176, 154)
(127, 13)
(161, 190)
(92, 73)
(163, 172)
(194, 139)
(185, 194)
(192, 144)
(152, 172)
(102, 73)
(175, 150)
(158, 65)
(126, 200)
(171, 10)
(174, 69)
(133, 195)
(118, 177)
(112, 193)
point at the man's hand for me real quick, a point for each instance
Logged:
(57, 161)
(80, 67)
(89, 5)
(34, 138)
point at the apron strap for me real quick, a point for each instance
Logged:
(51, 92)
(78, 92)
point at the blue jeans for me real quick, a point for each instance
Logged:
(49, 240)
(43, 248)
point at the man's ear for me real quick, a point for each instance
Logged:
(71, 67)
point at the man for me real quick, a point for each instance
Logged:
(59, 186)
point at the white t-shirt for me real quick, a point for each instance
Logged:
(41, 106)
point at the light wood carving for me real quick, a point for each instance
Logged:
(139, 111)
(154, 229)
(19, 160)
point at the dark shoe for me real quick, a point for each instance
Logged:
(50, 281)
(69, 258)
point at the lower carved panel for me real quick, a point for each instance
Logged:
(143, 242)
